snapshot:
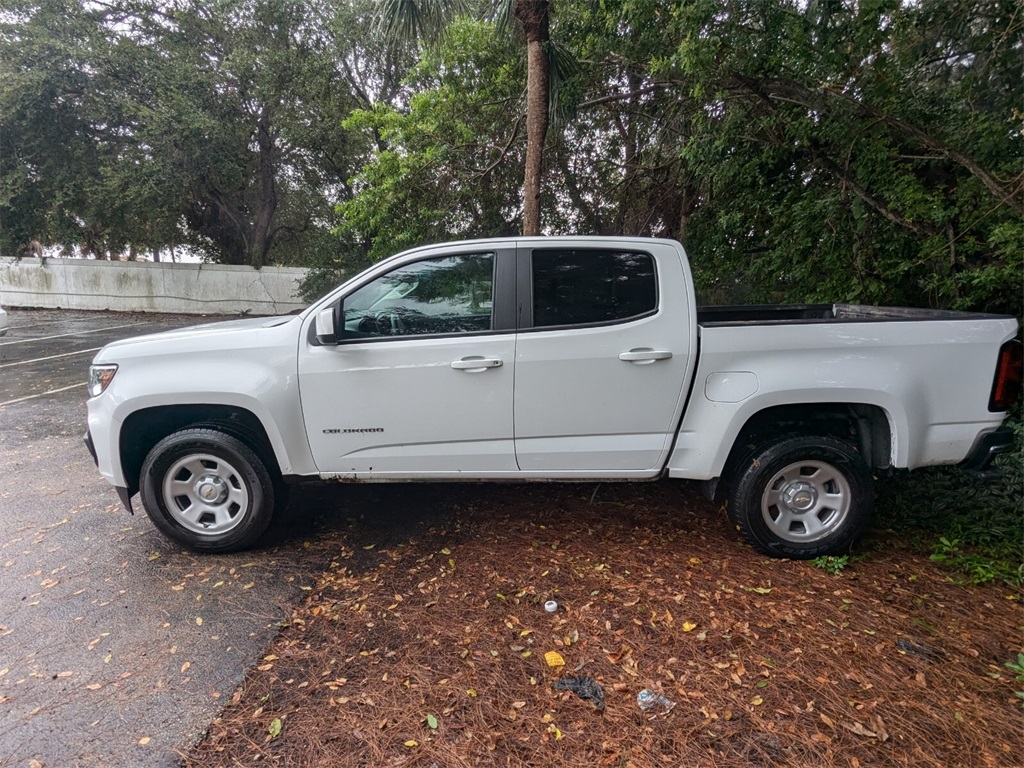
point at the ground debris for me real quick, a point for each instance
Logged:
(807, 675)
(587, 688)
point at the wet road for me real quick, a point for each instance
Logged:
(116, 648)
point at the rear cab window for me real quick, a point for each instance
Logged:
(583, 286)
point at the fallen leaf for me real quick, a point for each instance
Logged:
(554, 659)
(689, 626)
(859, 729)
(432, 722)
(275, 728)
(412, 743)
(144, 740)
(880, 729)
(199, 621)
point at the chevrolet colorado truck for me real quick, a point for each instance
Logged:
(550, 359)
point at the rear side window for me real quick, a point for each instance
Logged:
(584, 286)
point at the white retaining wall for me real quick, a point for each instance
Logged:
(136, 286)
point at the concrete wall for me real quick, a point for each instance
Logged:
(129, 286)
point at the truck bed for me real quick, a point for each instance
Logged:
(793, 314)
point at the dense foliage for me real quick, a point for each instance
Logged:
(974, 524)
(137, 126)
(825, 150)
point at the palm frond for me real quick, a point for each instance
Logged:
(563, 67)
(404, 21)
(499, 12)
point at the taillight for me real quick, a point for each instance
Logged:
(1006, 387)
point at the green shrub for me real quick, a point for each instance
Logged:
(974, 525)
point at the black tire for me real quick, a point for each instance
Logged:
(207, 490)
(801, 497)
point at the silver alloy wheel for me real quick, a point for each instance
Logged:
(205, 494)
(806, 501)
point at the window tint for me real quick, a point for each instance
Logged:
(575, 287)
(450, 294)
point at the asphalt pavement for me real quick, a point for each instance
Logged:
(116, 647)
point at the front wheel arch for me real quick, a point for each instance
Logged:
(144, 428)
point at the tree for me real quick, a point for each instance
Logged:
(446, 163)
(411, 20)
(858, 151)
(136, 125)
(65, 138)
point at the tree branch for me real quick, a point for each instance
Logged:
(873, 202)
(505, 150)
(621, 96)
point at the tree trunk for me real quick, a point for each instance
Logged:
(632, 202)
(263, 235)
(533, 16)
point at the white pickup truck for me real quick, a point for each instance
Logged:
(539, 359)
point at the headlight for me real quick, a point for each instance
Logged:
(100, 377)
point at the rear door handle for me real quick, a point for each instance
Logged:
(476, 364)
(643, 356)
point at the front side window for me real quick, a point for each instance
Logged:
(584, 286)
(445, 295)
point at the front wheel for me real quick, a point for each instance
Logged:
(802, 497)
(207, 490)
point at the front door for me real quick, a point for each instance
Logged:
(420, 384)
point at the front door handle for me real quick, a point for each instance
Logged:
(643, 356)
(476, 364)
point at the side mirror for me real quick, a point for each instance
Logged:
(327, 323)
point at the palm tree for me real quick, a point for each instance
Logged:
(413, 20)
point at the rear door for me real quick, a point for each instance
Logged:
(603, 353)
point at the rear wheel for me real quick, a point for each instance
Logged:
(207, 490)
(801, 497)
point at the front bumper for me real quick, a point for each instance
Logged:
(92, 448)
(122, 493)
(986, 448)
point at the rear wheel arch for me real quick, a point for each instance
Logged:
(864, 426)
(867, 427)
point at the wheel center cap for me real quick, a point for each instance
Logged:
(211, 489)
(800, 496)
